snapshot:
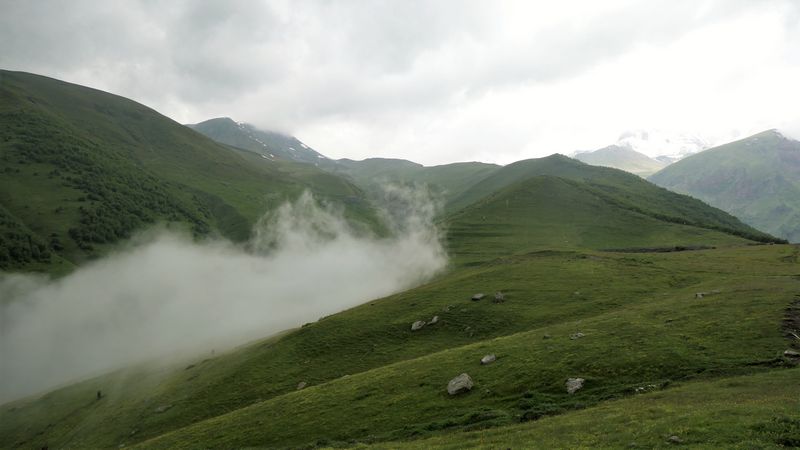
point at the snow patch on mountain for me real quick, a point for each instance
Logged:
(657, 143)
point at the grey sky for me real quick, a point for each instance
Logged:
(431, 81)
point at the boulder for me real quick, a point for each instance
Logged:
(459, 384)
(574, 384)
(477, 297)
(791, 354)
(499, 297)
(433, 320)
(577, 335)
(700, 295)
(301, 385)
(417, 325)
(488, 359)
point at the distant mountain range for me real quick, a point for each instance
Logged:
(623, 158)
(757, 179)
(449, 180)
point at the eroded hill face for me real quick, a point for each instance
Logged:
(757, 179)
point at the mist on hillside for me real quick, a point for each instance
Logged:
(165, 293)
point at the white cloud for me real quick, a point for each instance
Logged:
(432, 81)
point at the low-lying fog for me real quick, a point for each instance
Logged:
(165, 293)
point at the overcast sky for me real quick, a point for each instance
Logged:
(431, 81)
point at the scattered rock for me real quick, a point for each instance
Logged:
(699, 295)
(163, 408)
(417, 325)
(488, 359)
(791, 354)
(546, 336)
(301, 385)
(674, 440)
(574, 384)
(499, 297)
(577, 335)
(434, 320)
(459, 384)
(477, 297)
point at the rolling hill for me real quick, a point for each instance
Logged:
(83, 169)
(623, 158)
(757, 179)
(447, 180)
(574, 306)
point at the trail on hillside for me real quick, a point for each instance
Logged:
(166, 294)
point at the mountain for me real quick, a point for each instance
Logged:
(448, 180)
(271, 145)
(83, 169)
(623, 158)
(614, 186)
(757, 179)
(656, 143)
(371, 380)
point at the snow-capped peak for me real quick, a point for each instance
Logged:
(657, 143)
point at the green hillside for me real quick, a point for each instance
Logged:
(623, 158)
(371, 379)
(757, 179)
(83, 169)
(611, 186)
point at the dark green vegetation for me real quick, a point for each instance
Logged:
(757, 179)
(624, 158)
(447, 180)
(82, 169)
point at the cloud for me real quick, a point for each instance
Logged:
(167, 294)
(429, 81)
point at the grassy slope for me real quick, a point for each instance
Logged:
(654, 338)
(78, 158)
(756, 179)
(755, 411)
(614, 186)
(622, 158)
(557, 292)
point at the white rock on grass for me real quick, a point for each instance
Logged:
(488, 359)
(574, 384)
(417, 325)
(459, 384)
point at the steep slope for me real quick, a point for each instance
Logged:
(623, 158)
(83, 169)
(614, 186)
(270, 144)
(757, 179)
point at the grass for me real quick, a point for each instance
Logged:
(638, 312)
(751, 411)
